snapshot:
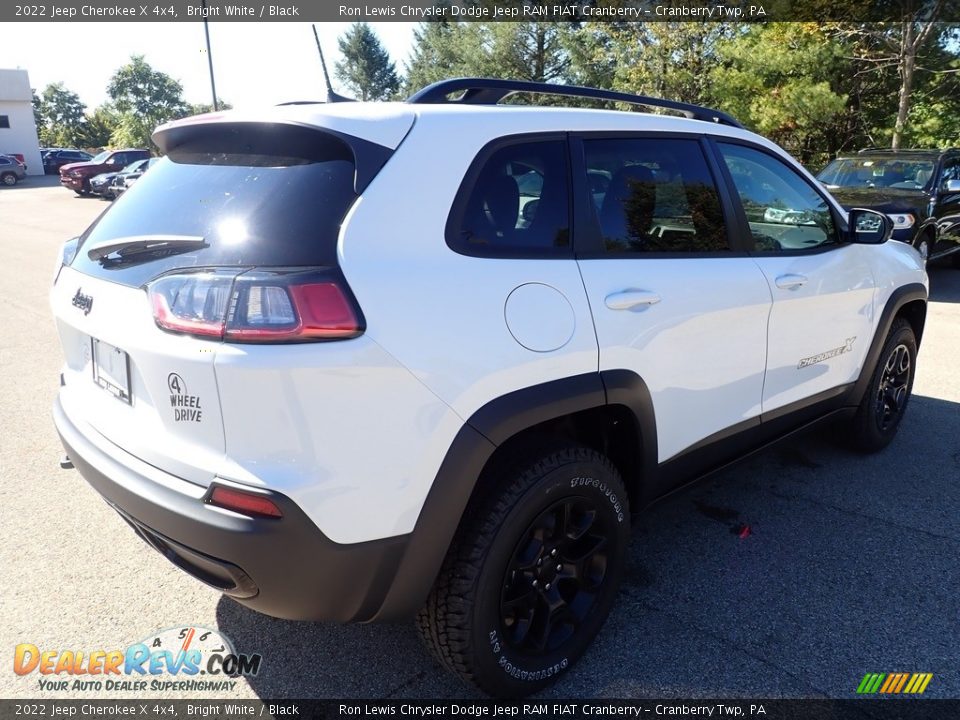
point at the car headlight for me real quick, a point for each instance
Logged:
(902, 221)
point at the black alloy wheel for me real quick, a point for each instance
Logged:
(894, 387)
(555, 576)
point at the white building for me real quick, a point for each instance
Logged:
(18, 131)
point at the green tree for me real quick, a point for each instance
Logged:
(201, 108)
(786, 81)
(37, 110)
(143, 98)
(912, 59)
(516, 50)
(366, 68)
(61, 116)
(671, 60)
(98, 127)
(437, 54)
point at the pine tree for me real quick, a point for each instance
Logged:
(366, 68)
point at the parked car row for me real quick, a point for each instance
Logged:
(112, 185)
(78, 176)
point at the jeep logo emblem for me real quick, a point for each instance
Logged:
(84, 302)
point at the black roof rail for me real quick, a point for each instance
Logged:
(490, 91)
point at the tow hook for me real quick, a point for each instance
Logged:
(66, 463)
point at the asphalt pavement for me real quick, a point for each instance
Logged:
(790, 575)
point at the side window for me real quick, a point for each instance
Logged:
(951, 171)
(118, 159)
(654, 195)
(783, 209)
(4, 121)
(517, 203)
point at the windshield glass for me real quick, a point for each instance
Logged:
(101, 157)
(899, 173)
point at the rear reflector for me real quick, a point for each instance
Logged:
(256, 305)
(242, 502)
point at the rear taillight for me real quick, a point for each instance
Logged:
(241, 501)
(256, 305)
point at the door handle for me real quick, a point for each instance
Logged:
(629, 299)
(791, 282)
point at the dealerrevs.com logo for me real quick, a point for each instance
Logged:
(187, 658)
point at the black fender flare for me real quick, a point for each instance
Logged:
(897, 300)
(488, 428)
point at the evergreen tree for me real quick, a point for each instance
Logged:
(366, 68)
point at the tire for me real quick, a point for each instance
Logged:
(8, 179)
(888, 393)
(565, 509)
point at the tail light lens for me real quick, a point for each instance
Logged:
(256, 305)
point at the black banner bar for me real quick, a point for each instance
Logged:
(159, 709)
(480, 10)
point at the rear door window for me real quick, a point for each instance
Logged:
(653, 195)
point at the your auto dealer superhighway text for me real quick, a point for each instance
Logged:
(591, 709)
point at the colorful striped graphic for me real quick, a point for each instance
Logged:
(894, 683)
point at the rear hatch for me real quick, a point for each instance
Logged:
(230, 237)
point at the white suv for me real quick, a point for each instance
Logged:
(356, 362)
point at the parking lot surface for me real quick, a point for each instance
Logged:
(791, 575)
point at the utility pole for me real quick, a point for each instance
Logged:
(206, 31)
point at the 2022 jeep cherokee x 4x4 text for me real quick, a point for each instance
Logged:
(362, 362)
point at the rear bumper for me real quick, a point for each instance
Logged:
(283, 567)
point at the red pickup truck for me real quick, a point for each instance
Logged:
(76, 176)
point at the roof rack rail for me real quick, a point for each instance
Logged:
(490, 91)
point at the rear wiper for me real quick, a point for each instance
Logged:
(136, 244)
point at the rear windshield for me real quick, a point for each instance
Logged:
(263, 202)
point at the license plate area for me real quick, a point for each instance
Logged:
(111, 369)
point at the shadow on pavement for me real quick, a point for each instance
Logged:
(789, 575)
(33, 182)
(944, 283)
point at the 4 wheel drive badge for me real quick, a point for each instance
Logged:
(814, 359)
(84, 302)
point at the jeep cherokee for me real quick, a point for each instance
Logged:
(378, 361)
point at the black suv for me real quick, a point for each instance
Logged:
(918, 189)
(53, 160)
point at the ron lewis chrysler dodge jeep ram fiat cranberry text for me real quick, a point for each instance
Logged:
(363, 362)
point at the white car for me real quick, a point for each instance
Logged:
(320, 359)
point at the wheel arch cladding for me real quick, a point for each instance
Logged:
(908, 302)
(610, 412)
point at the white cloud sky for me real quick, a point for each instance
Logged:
(254, 63)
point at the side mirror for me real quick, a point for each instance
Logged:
(951, 186)
(869, 227)
(529, 211)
